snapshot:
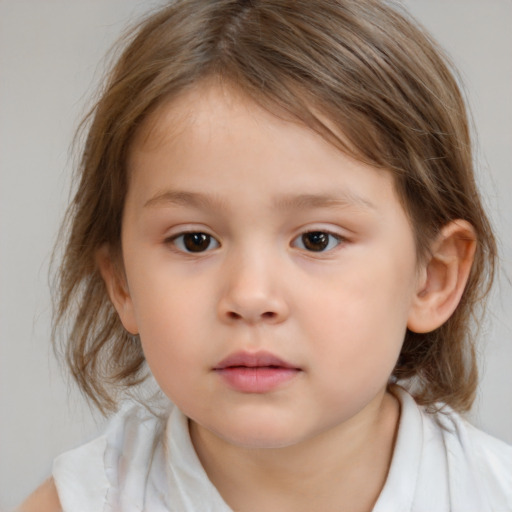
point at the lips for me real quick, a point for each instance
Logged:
(259, 372)
(253, 360)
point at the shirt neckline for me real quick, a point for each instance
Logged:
(190, 488)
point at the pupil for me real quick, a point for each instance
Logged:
(196, 242)
(315, 241)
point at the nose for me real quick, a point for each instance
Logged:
(253, 292)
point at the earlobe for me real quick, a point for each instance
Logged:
(443, 277)
(117, 288)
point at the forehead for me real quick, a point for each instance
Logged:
(190, 108)
(215, 134)
(212, 97)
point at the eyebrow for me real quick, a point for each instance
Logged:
(184, 198)
(342, 199)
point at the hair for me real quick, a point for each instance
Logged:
(366, 67)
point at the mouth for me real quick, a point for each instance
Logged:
(253, 360)
(259, 372)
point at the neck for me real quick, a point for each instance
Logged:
(344, 468)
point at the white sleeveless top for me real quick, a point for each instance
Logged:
(143, 463)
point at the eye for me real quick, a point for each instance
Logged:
(194, 242)
(317, 241)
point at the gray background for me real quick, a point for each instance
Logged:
(51, 57)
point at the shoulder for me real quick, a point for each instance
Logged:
(490, 458)
(43, 499)
(473, 444)
(475, 460)
(95, 474)
(442, 462)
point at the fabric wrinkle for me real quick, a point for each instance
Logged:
(147, 463)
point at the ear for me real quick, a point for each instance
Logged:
(443, 277)
(117, 288)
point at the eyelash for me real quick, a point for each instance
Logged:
(331, 240)
(179, 241)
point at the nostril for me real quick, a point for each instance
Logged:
(268, 315)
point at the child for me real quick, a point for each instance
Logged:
(277, 218)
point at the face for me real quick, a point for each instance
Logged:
(269, 275)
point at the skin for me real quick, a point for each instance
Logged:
(256, 186)
(43, 499)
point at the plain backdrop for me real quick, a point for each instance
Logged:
(51, 57)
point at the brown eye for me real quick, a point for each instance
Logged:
(195, 242)
(317, 241)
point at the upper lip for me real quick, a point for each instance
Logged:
(253, 360)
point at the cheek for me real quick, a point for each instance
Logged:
(363, 317)
(163, 299)
(171, 350)
(166, 313)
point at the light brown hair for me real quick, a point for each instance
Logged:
(362, 64)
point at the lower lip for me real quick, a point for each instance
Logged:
(261, 379)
